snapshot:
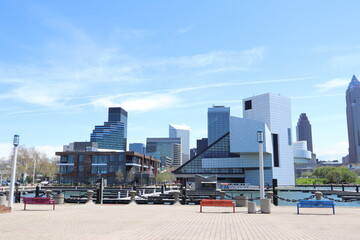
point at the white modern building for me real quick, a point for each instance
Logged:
(301, 154)
(275, 111)
(234, 157)
(183, 132)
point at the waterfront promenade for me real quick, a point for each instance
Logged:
(73, 221)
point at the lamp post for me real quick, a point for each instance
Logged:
(13, 170)
(260, 139)
(34, 172)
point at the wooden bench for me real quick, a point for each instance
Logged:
(217, 203)
(316, 204)
(38, 200)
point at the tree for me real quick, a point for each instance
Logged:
(30, 159)
(165, 176)
(307, 174)
(130, 175)
(336, 174)
(119, 176)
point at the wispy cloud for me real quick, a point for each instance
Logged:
(185, 29)
(231, 60)
(332, 84)
(171, 98)
(148, 103)
(334, 152)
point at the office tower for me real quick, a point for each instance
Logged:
(218, 122)
(167, 147)
(275, 112)
(193, 152)
(201, 144)
(183, 132)
(303, 131)
(113, 134)
(353, 119)
(137, 147)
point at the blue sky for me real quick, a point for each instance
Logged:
(63, 63)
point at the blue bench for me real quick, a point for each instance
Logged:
(316, 204)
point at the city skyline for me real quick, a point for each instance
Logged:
(63, 65)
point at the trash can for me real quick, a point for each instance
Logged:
(241, 201)
(251, 207)
(59, 198)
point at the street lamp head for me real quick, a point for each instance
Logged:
(16, 140)
(260, 136)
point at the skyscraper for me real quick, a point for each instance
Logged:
(353, 119)
(218, 122)
(303, 131)
(137, 147)
(167, 147)
(113, 134)
(275, 112)
(183, 132)
(201, 144)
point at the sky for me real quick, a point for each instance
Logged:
(63, 63)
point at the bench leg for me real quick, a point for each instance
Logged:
(298, 210)
(24, 206)
(233, 208)
(53, 206)
(333, 210)
(200, 208)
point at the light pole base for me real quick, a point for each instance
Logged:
(251, 207)
(265, 205)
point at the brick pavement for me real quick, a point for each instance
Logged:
(175, 222)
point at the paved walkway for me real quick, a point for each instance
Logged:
(175, 222)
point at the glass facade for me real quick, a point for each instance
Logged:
(167, 147)
(107, 163)
(220, 148)
(113, 134)
(218, 123)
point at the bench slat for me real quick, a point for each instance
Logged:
(217, 203)
(316, 204)
(38, 200)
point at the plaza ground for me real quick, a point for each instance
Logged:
(90, 221)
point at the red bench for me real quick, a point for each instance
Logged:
(38, 200)
(217, 203)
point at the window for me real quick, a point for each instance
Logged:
(248, 104)
(71, 159)
(289, 137)
(98, 169)
(275, 149)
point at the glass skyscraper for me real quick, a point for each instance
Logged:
(183, 132)
(167, 147)
(218, 123)
(353, 119)
(113, 134)
(303, 131)
(137, 147)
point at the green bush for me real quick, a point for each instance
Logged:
(335, 174)
(357, 180)
(311, 181)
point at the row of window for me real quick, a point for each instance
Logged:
(94, 169)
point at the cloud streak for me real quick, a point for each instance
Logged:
(332, 84)
(185, 29)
